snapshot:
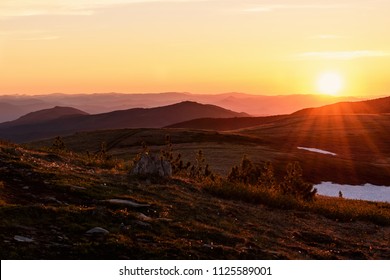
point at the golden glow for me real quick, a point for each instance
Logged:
(199, 46)
(330, 83)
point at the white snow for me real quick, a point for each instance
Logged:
(317, 151)
(23, 239)
(363, 192)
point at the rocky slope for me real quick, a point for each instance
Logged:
(64, 206)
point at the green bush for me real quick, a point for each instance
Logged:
(58, 144)
(246, 173)
(200, 170)
(177, 164)
(293, 183)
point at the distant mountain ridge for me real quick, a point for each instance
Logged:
(44, 116)
(11, 110)
(374, 106)
(13, 107)
(34, 126)
(227, 124)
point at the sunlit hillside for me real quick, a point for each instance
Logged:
(61, 205)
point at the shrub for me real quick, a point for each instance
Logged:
(294, 184)
(333, 208)
(248, 173)
(267, 177)
(58, 144)
(178, 166)
(104, 160)
(251, 194)
(102, 155)
(200, 170)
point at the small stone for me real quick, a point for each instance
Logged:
(144, 218)
(53, 199)
(143, 224)
(127, 203)
(26, 188)
(23, 239)
(165, 220)
(98, 230)
(77, 188)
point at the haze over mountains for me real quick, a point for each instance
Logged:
(44, 116)
(13, 107)
(358, 141)
(375, 106)
(60, 121)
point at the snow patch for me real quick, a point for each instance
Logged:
(363, 192)
(317, 151)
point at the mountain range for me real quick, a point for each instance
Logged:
(13, 107)
(375, 106)
(60, 121)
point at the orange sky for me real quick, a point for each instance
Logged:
(199, 46)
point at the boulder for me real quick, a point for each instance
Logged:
(151, 165)
(97, 230)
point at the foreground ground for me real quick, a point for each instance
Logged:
(49, 201)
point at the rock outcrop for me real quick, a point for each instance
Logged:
(151, 165)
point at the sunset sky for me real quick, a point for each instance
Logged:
(200, 46)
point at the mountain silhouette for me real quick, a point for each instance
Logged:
(44, 115)
(15, 106)
(39, 125)
(374, 106)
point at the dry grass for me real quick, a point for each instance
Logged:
(334, 208)
(55, 197)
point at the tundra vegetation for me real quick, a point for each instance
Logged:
(60, 204)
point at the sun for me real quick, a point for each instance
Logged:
(330, 83)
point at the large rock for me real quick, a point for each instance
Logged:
(151, 165)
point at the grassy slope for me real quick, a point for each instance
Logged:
(361, 143)
(55, 198)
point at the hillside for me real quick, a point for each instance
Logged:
(228, 123)
(133, 118)
(51, 203)
(11, 110)
(44, 115)
(359, 142)
(375, 106)
(13, 107)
